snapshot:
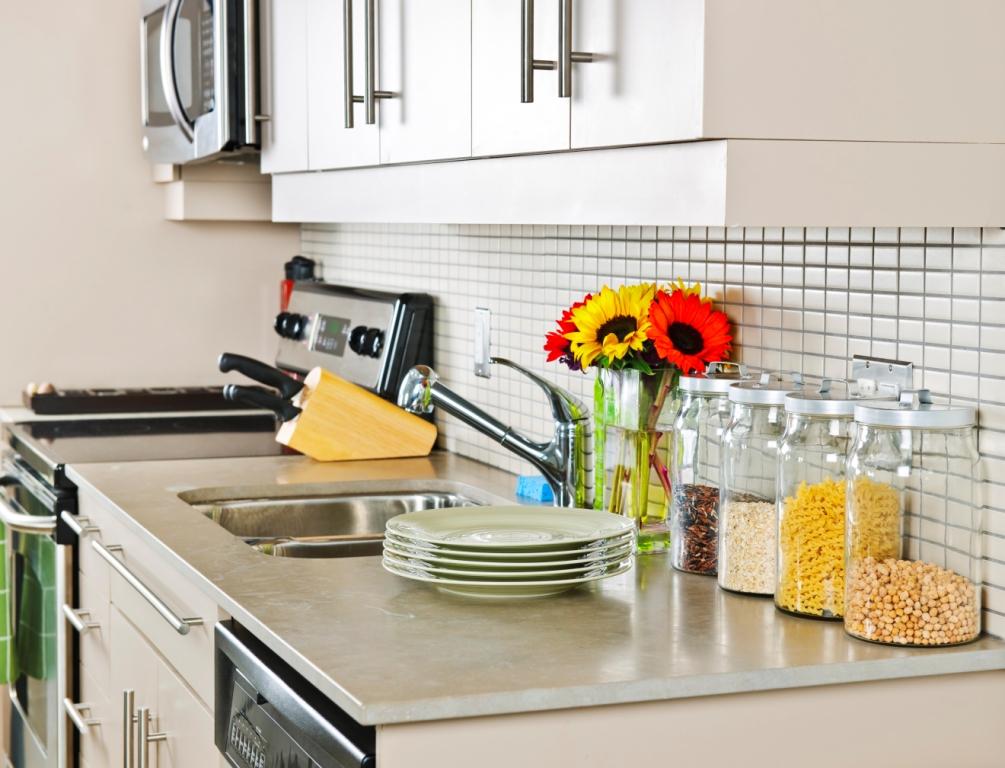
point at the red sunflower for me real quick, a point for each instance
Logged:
(556, 345)
(687, 331)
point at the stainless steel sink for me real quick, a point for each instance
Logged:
(349, 525)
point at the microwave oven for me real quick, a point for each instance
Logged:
(200, 78)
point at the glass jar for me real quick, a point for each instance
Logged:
(701, 419)
(913, 535)
(811, 501)
(747, 490)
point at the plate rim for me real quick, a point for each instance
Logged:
(594, 545)
(393, 524)
(512, 576)
(625, 566)
(620, 550)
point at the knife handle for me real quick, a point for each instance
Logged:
(260, 372)
(283, 408)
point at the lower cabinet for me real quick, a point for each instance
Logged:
(179, 730)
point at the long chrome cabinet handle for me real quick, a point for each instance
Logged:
(370, 92)
(169, 78)
(179, 624)
(76, 714)
(128, 718)
(566, 56)
(22, 523)
(79, 620)
(144, 737)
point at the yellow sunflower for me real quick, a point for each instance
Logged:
(611, 324)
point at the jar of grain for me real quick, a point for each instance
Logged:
(811, 500)
(699, 423)
(913, 536)
(747, 489)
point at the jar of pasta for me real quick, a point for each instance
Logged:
(913, 536)
(811, 500)
(747, 489)
(700, 421)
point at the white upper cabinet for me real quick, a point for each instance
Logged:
(502, 124)
(425, 64)
(284, 85)
(644, 84)
(332, 144)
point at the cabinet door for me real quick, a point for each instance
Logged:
(188, 725)
(330, 143)
(284, 85)
(425, 62)
(645, 84)
(134, 668)
(500, 123)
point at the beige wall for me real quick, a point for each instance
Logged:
(95, 287)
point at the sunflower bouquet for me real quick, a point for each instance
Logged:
(641, 327)
(639, 339)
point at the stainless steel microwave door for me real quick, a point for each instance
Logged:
(155, 108)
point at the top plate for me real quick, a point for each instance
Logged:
(509, 528)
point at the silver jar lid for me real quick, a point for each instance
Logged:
(717, 378)
(769, 389)
(831, 398)
(916, 409)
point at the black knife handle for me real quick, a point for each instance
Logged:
(283, 408)
(260, 372)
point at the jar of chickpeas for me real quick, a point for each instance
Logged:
(811, 500)
(913, 536)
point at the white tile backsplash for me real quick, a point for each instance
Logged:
(807, 297)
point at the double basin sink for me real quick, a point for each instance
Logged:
(347, 524)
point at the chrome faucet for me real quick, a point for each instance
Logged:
(566, 461)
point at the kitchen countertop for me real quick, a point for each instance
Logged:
(388, 650)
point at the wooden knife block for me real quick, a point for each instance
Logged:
(340, 421)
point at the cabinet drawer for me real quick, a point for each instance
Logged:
(92, 604)
(100, 746)
(190, 654)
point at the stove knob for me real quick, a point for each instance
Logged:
(291, 325)
(356, 338)
(373, 342)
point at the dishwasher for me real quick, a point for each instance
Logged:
(269, 716)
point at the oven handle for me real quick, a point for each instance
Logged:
(169, 77)
(22, 523)
(180, 625)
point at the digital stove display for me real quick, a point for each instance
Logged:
(331, 335)
(255, 739)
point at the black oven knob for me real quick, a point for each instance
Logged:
(291, 325)
(356, 338)
(373, 342)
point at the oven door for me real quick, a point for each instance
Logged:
(35, 663)
(199, 78)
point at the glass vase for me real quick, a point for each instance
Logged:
(632, 412)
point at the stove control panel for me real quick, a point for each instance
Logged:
(370, 338)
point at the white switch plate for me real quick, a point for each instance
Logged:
(483, 329)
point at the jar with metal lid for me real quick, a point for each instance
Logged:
(812, 458)
(914, 520)
(747, 490)
(701, 419)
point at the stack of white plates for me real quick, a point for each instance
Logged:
(508, 552)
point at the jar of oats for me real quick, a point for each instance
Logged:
(913, 543)
(747, 490)
(696, 461)
(811, 500)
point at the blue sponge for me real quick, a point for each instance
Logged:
(534, 488)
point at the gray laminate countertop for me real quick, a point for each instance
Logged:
(388, 650)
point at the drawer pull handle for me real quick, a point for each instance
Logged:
(76, 713)
(128, 718)
(179, 624)
(79, 620)
(145, 737)
(81, 526)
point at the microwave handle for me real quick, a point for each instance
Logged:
(252, 118)
(169, 78)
